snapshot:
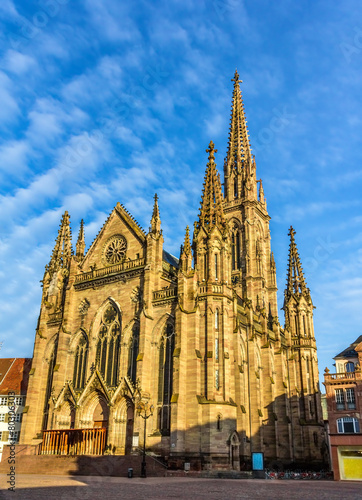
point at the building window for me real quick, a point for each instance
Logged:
(109, 346)
(18, 417)
(235, 250)
(348, 425)
(235, 187)
(216, 349)
(205, 267)
(216, 267)
(165, 378)
(218, 422)
(350, 367)
(3, 401)
(133, 353)
(14, 436)
(80, 363)
(18, 401)
(2, 417)
(217, 382)
(350, 398)
(339, 399)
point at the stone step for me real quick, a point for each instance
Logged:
(227, 474)
(85, 465)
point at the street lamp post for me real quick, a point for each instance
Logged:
(144, 411)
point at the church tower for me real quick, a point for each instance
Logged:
(252, 263)
(298, 309)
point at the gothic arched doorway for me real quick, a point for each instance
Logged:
(235, 451)
(101, 414)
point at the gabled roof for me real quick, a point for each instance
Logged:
(14, 375)
(350, 352)
(127, 218)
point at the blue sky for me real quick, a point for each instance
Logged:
(107, 101)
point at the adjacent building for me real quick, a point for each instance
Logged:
(344, 402)
(14, 374)
(196, 340)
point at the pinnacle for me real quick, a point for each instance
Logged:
(211, 210)
(295, 278)
(155, 220)
(63, 244)
(187, 244)
(81, 231)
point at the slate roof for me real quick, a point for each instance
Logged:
(171, 259)
(349, 352)
(14, 375)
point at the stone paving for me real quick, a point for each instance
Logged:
(37, 487)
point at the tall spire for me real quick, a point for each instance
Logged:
(239, 149)
(211, 210)
(80, 246)
(295, 278)
(155, 220)
(63, 245)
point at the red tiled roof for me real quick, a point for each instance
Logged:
(14, 375)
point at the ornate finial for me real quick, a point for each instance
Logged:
(211, 150)
(236, 77)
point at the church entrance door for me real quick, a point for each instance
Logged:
(101, 415)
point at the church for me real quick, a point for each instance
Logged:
(185, 356)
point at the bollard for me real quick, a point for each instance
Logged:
(130, 472)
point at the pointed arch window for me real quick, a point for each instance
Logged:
(235, 249)
(235, 187)
(109, 346)
(165, 379)
(133, 353)
(80, 363)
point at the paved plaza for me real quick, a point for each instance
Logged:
(36, 487)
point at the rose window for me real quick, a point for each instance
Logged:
(116, 250)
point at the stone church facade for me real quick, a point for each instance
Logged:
(197, 338)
